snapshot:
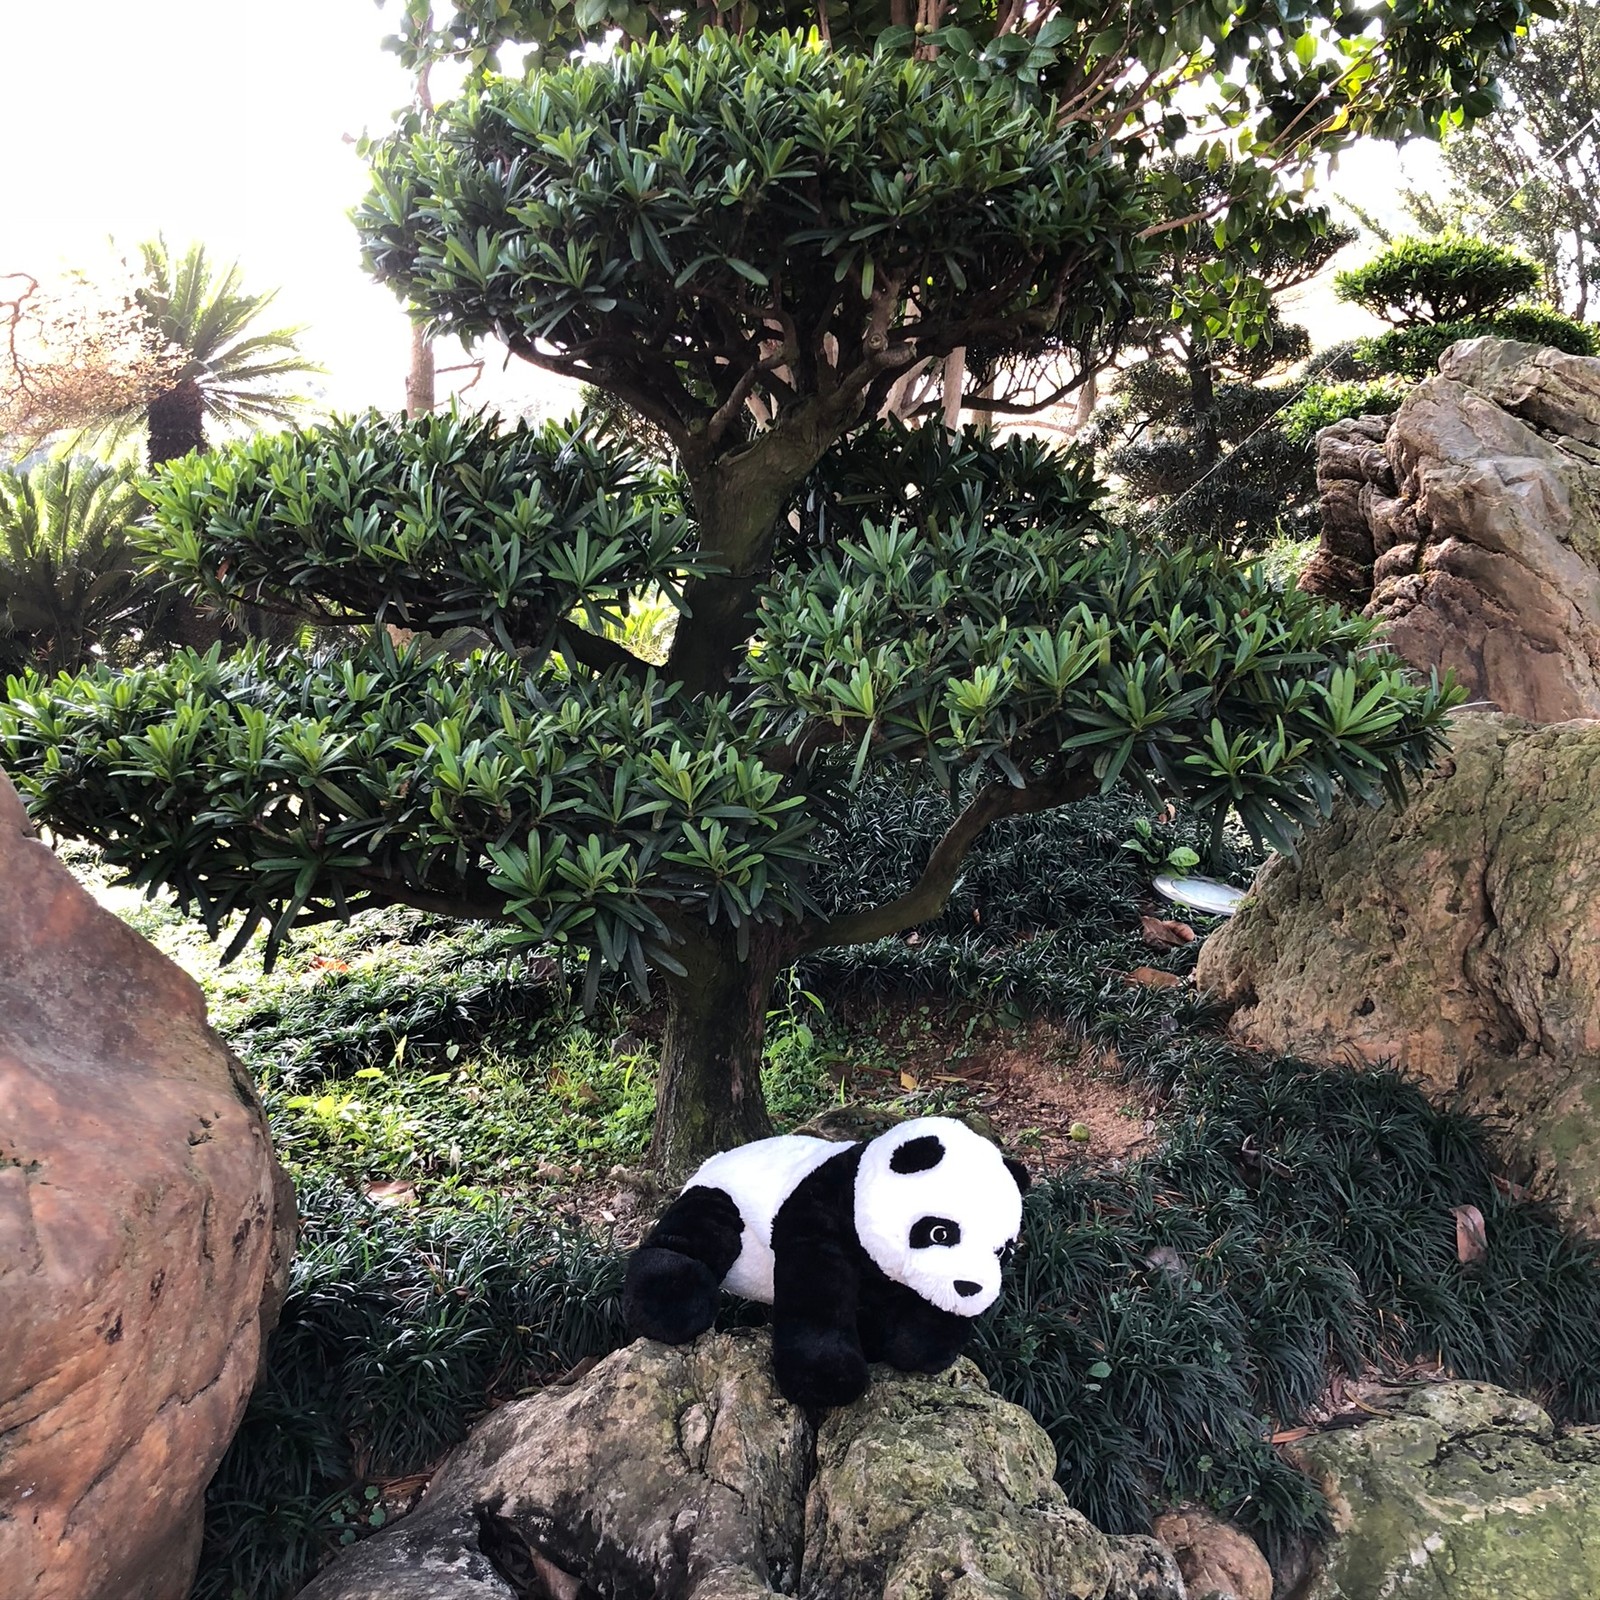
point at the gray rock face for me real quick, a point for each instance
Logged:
(1458, 938)
(145, 1233)
(1462, 1492)
(1470, 523)
(682, 1474)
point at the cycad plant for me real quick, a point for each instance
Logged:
(230, 373)
(70, 589)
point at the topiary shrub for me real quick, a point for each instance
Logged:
(1449, 279)
(1439, 291)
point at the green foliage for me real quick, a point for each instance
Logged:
(1528, 174)
(1451, 279)
(442, 522)
(70, 588)
(295, 790)
(1413, 351)
(1162, 1322)
(677, 203)
(1301, 80)
(1320, 405)
(204, 312)
(1003, 635)
(991, 644)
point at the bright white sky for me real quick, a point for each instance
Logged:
(226, 121)
(222, 121)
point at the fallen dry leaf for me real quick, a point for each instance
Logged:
(1289, 1435)
(1472, 1237)
(1162, 935)
(908, 1081)
(1153, 978)
(393, 1192)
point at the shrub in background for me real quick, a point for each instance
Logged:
(1437, 291)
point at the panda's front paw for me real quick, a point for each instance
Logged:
(818, 1366)
(668, 1296)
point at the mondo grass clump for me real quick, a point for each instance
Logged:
(1164, 1321)
(399, 1330)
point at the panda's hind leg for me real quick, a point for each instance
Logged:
(674, 1278)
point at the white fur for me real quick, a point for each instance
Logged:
(970, 1186)
(758, 1178)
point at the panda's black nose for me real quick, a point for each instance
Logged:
(965, 1287)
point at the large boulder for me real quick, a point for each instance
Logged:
(145, 1233)
(1459, 1492)
(680, 1472)
(1470, 523)
(1458, 938)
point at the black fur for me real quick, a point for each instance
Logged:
(1019, 1173)
(816, 1285)
(918, 1155)
(674, 1278)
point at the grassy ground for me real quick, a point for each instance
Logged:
(1178, 1299)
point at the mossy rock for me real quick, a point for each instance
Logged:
(1462, 1492)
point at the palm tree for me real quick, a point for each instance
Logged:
(70, 588)
(228, 373)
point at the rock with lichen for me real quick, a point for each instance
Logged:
(1457, 938)
(681, 1473)
(1460, 1492)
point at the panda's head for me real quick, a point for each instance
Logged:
(938, 1208)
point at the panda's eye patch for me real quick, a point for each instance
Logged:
(934, 1230)
(1006, 1251)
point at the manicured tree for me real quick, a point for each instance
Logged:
(1189, 434)
(1436, 291)
(693, 228)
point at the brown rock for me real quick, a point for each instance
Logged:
(1458, 938)
(145, 1231)
(1492, 470)
(1214, 1556)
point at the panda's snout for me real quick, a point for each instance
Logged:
(966, 1288)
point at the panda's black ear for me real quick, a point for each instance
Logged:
(918, 1155)
(1019, 1172)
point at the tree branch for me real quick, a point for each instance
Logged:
(596, 652)
(926, 898)
(472, 908)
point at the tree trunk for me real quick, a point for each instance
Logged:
(1203, 397)
(420, 388)
(176, 420)
(708, 1097)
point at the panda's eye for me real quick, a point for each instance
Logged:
(934, 1230)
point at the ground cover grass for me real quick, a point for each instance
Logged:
(1164, 1320)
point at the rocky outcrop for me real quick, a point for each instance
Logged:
(145, 1232)
(680, 1472)
(1458, 939)
(1460, 1492)
(1470, 524)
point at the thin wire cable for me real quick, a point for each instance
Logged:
(1317, 372)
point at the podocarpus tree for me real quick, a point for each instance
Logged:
(747, 242)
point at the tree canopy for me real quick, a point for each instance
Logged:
(749, 241)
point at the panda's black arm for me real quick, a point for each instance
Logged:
(673, 1279)
(816, 1342)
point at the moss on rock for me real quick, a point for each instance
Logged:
(1462, 1492)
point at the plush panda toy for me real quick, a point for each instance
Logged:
(876, 1251)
